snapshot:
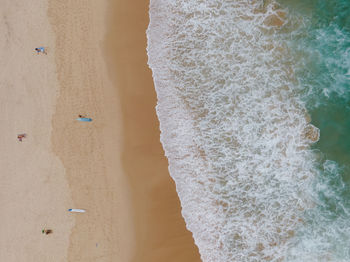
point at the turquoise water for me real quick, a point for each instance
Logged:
(235, 81)
(324, 72)
(321, 46)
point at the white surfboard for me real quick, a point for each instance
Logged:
(76, 210)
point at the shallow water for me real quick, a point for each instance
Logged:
(237, 83)
(323, 73)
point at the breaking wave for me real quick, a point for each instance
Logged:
(233, 126)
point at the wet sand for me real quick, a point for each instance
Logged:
(160, 230)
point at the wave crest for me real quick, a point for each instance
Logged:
(231, 125)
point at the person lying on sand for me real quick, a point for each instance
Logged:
(40, 50)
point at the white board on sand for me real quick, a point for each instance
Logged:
(76, 210)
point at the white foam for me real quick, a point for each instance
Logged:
(325, 238)
(231, 126)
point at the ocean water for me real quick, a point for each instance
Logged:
(254, 103)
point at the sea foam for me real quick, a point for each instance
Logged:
(233, 128)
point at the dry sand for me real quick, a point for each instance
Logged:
(113, 167)
(33, 190)
(90, 152)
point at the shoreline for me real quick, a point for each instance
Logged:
(113, 167)
(160, 230)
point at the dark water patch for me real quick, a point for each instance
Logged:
(321, 48)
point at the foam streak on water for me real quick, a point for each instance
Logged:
(232, 125)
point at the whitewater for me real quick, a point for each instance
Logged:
(235, 129)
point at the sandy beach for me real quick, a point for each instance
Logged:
(90, 152)
(160, 229)
(113, 167)
(34, 191)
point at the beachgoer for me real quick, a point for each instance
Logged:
(46, 231)
(40, 50)
(21, 136)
